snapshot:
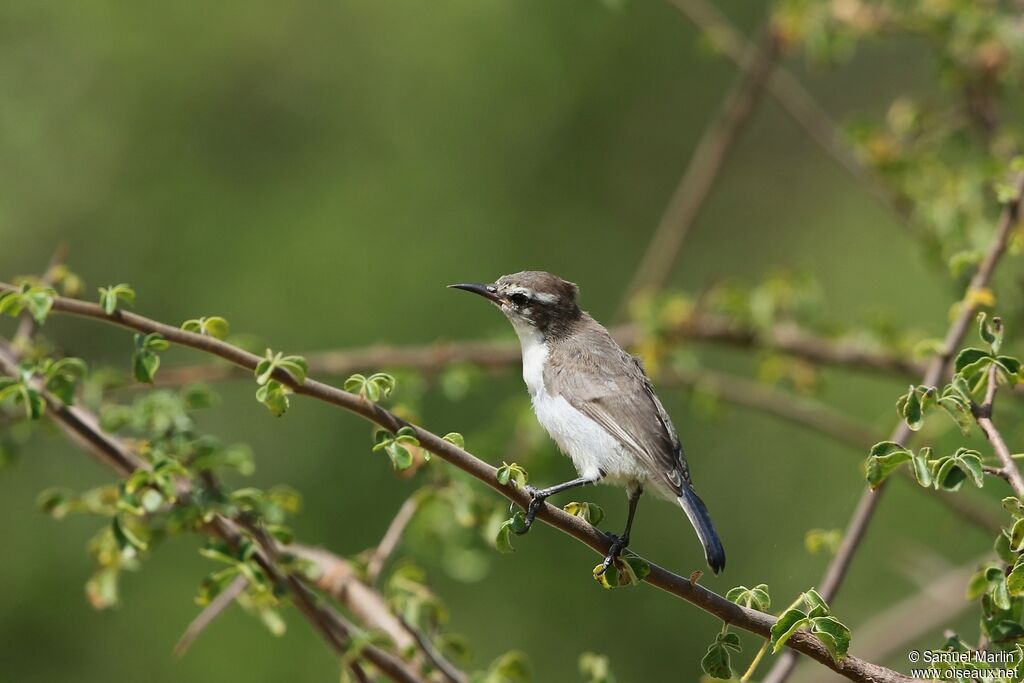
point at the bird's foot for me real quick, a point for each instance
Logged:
(537, 498)
(619, 544)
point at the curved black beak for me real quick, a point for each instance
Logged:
(486, 291)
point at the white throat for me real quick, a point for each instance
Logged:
(535, 353)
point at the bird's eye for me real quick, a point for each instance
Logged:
(519, 299)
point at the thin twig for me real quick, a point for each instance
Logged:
(937, 368)
(794, 99)
(499, 356)
(451, 674)
(391, 538)
(760, 623)
(983, 416)
(784, 338)
(694, 188)
(112, 452)
(209, 614)
(936, 603)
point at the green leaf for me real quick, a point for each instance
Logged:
(1017, 536)
(144, 366)
(400, 455)
(922, 469)
(124, 535)
(627, 570)
(274, 396)
(1014, 506)
(1002, 548)
(512, 473)
(596, 668)
(456, 439)
(911, 410)
(991, 332)
(1015, 580)
(815, 603)
(787, 624)
(1009, 365)
(715, 662)
(951, 471)
(39, 301)
(503, 540)
(589, 512)
(833, 634)
(754, 598)
(102, 588)
(883, 459)
(959, 411)
(969, 357)
(214, 326)
(112, 297)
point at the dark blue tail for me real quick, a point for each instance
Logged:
(696, 511)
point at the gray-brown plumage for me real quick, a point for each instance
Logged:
(596, 402)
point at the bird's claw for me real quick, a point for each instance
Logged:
(537, 499)
(619, 544)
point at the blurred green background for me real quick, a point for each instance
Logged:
(316, 172)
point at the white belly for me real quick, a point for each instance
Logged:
(593, 450)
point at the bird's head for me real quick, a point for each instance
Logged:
(531, 300)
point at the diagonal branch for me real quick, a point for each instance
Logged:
(209, 614)
(793, 97)
(868, 503)
(983, 416)
(391, 538)
(84, 429)
(760, 623)
(705, 166)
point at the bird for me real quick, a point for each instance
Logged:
(597, 403)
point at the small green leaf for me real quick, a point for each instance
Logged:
(589, 512)
(1014, 506)
(1017, 536)
(400, 455)
(922, 469)
(833, 634)
(910, 409)
(883, 459)
(1015, 580)
(1002, 548)
(274, 396)
(991, 332)
(754, 598)
(627, 570)
(456, 439)
(112, 297)
(716, 662)
(512, 473)
(503, 540)
(214, 326)
(787, 624)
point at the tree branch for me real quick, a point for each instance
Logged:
(794, 99)
(114, 454)
(760, 623)
(705, 166)
(983, 417)
(391, 538)
(937, 367)
(784, 338)
(209, 614)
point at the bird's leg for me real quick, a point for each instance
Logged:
(538, 496)
(619, 543)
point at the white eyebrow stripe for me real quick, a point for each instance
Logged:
(543, 297)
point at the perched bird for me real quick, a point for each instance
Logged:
(596, 402)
